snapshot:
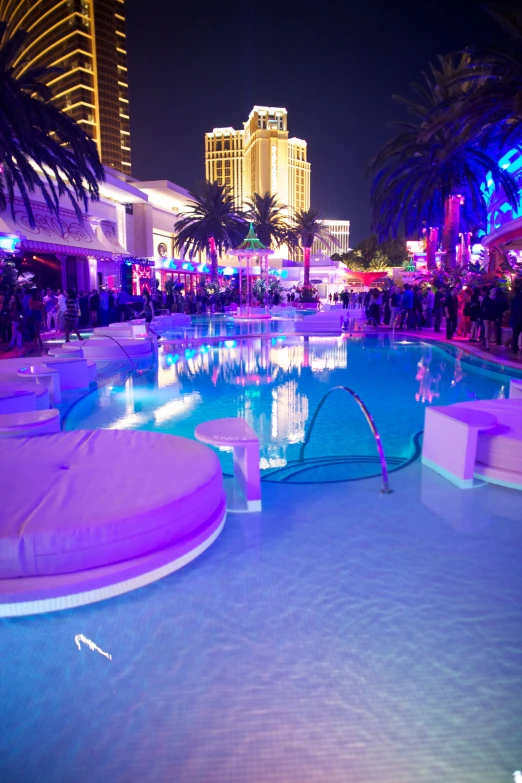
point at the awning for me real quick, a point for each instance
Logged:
(66, 235)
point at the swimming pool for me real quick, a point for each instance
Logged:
(277, 383)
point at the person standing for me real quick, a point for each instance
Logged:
(36, 308)
(50, 310)
(5, 322)
(500, 307)
(488, 313)
(386, 307)
(451, 304)
(60, 312)
(395, 302)
(16, 314)
(94, 306)
(104, 307)
(474, 315)
(466, 313)
(430, 304)
(417, 308)
(516, 318)
(407, 312)
(72, 310)
(438, 300)
(148, 307)
(374, 308)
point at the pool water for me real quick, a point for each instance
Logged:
(226, 326)
(277, 383)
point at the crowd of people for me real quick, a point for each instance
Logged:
(474, 313)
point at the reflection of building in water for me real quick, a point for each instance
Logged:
(322, 355)
(289, 413)
(287, 357)
(285, 425)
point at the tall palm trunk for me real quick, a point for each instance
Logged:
(431, 248)
(213, 260)
(306, 280)
(450, 232)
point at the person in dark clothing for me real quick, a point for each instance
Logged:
(488, 313)
(72, 307)
(516, 319)
(451, 307)
(148, 307)
(474, 315)
(386, 307)
(417, 308)
(501, 306)
(94, 305)
(437, 310)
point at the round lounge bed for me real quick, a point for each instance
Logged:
(105, 512)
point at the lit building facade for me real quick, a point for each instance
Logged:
(85, 40)
(339, 230)
(260, 159)
(224, 160)
(504, 227)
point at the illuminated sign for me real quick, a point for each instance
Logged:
(500, 211)
(9, 243)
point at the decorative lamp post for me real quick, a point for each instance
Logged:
(250, 250)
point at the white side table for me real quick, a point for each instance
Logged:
(45, 376)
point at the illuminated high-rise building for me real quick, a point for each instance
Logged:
(84, 40)
(260, 159)
(224, 160)
(339, 230)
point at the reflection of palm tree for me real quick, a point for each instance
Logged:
(433, 166)
(212, 223)
(41, 148)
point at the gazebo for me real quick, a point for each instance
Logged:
(254, 253)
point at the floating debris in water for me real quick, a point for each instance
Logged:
(81, 638)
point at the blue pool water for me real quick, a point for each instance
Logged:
(341, 635)
(277, 384)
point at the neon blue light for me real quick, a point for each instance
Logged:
(9, 243)
(502, 212)
(230, 343)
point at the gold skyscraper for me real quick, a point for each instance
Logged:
(260, 159)
(85, 40)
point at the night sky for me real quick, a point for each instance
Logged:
(195, 66)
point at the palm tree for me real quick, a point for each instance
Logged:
(212, 224)
(269, 219)
(307, 226)
(41, 148)
(436, 165)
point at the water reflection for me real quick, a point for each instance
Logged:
(277, 383)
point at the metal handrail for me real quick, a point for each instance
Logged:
(384, 467)
(101, 336)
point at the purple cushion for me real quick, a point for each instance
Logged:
(79, 500)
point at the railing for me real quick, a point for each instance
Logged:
(101, 337)
(384, 467)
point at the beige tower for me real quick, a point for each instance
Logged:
(224, 159)
(260, 159)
